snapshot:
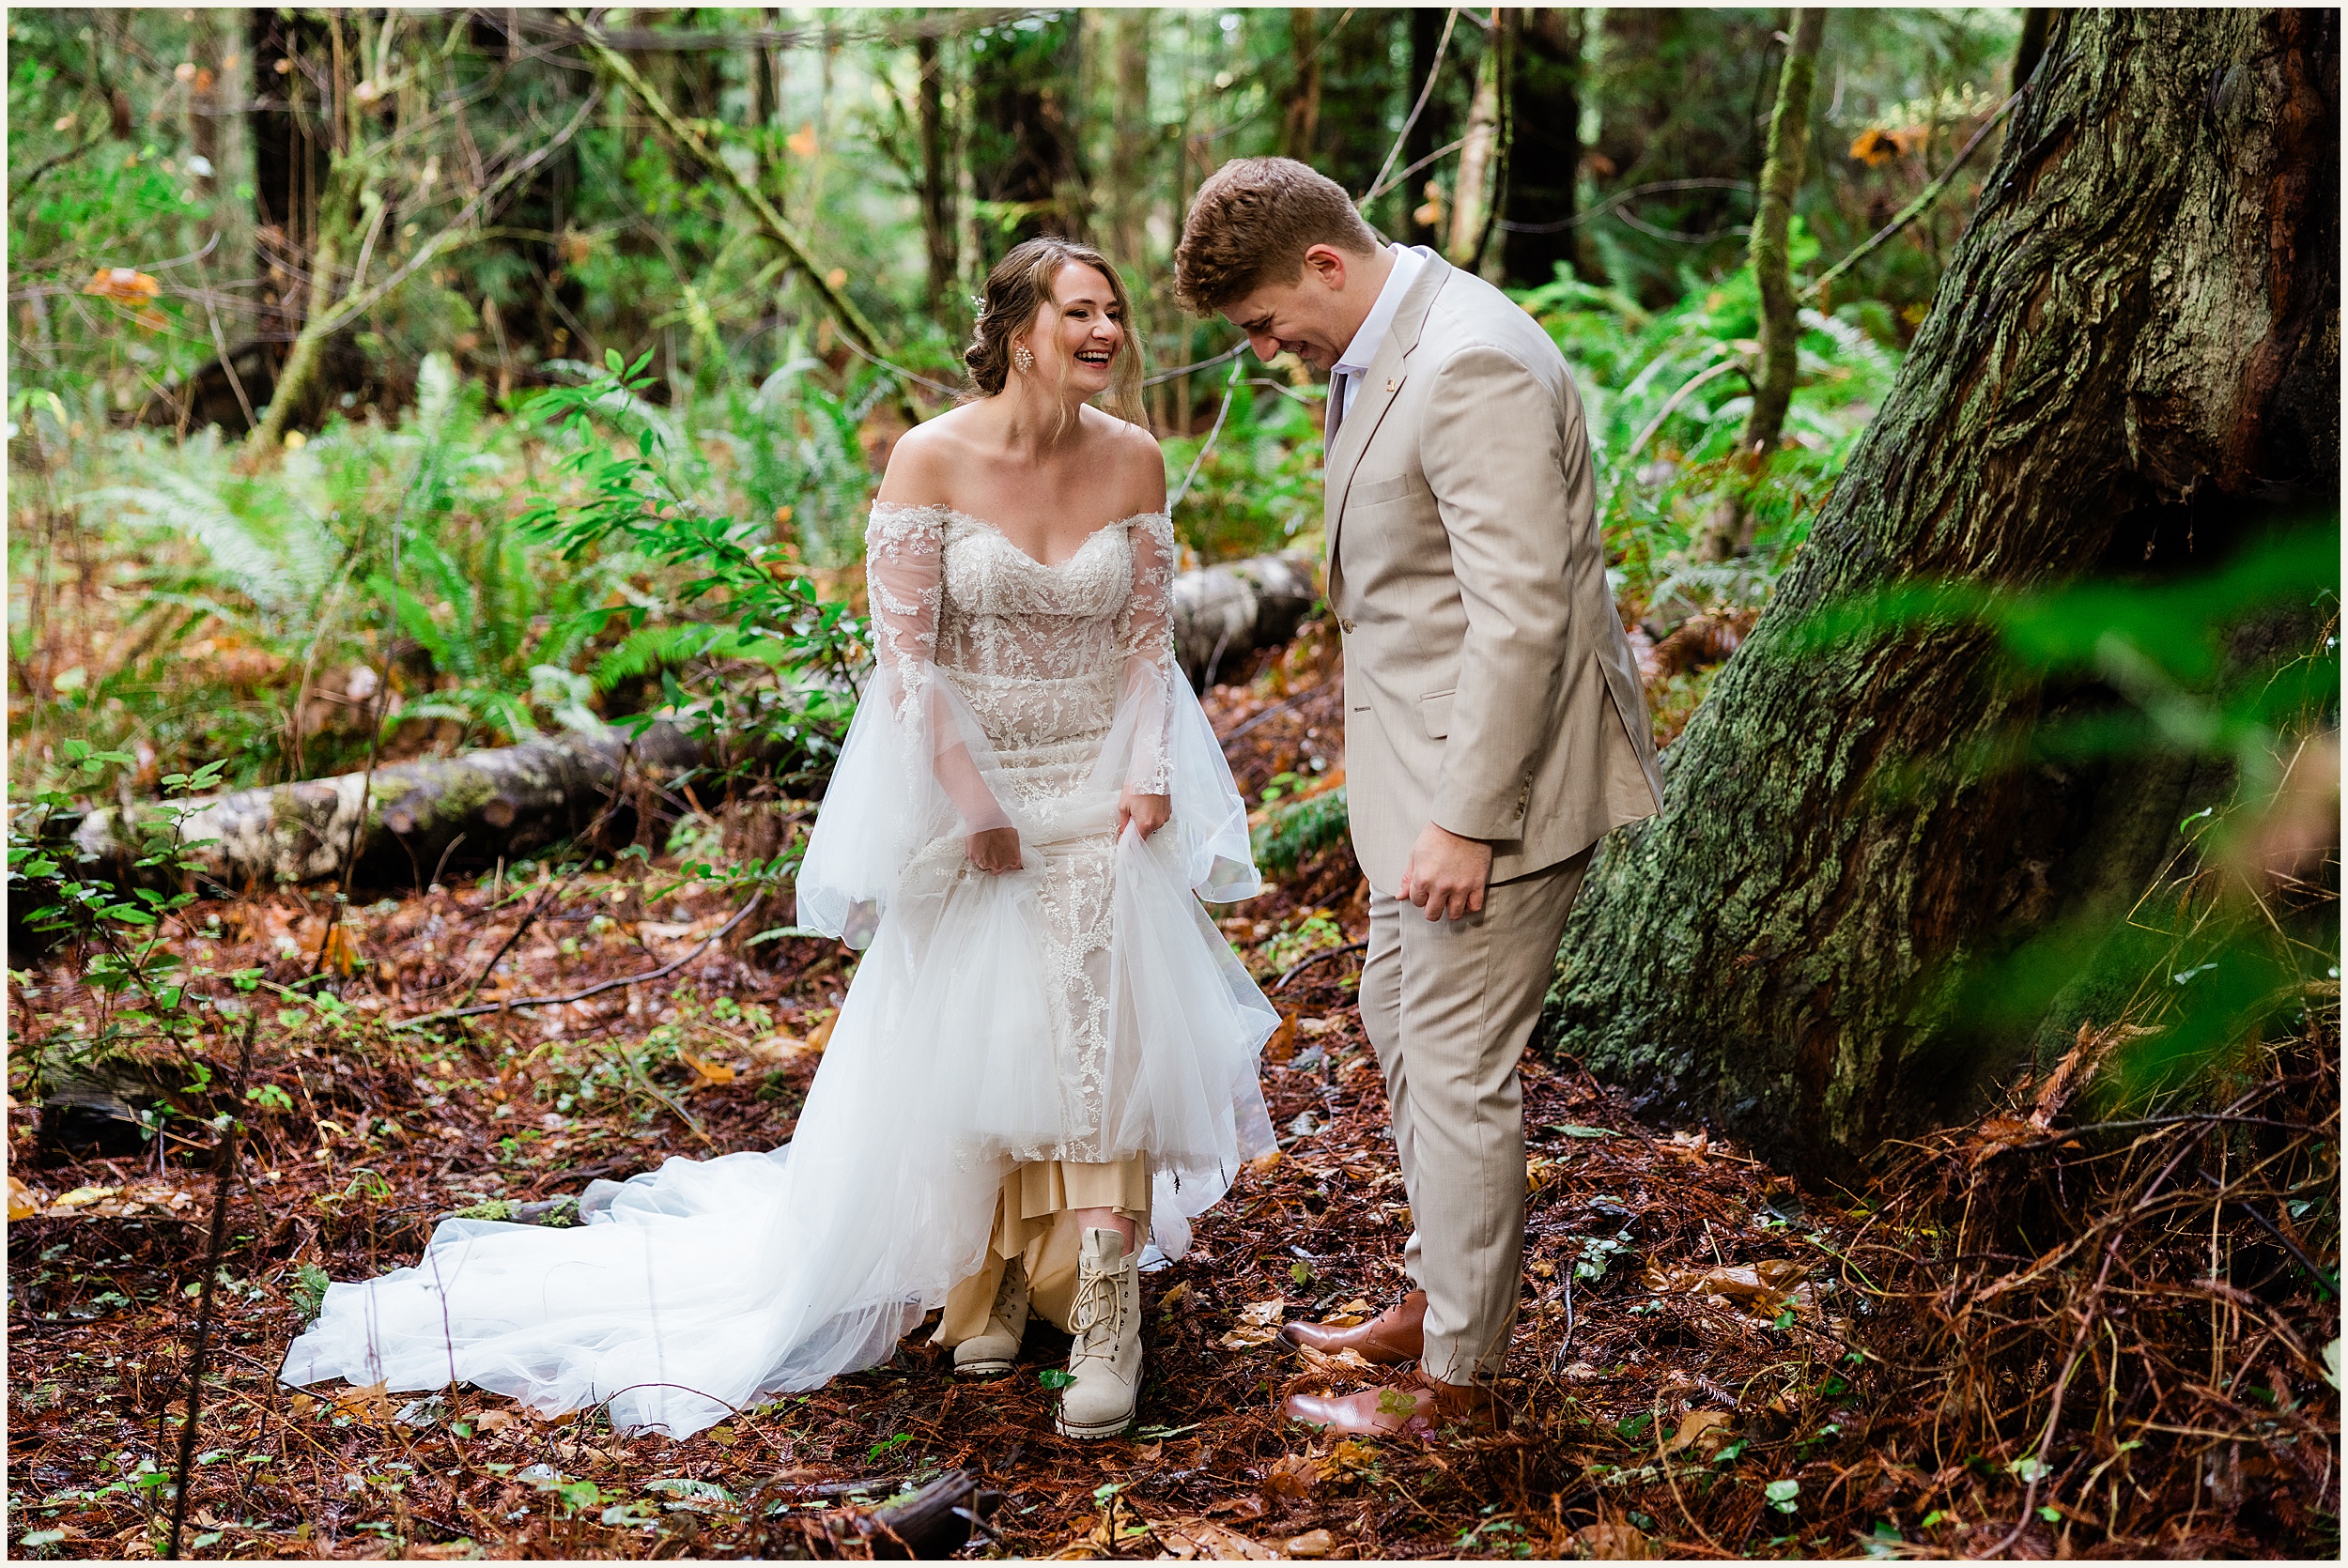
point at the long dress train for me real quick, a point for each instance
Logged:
(1081, 1008)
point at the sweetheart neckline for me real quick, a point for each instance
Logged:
(997, 532)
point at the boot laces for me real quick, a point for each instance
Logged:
(1095, 1312)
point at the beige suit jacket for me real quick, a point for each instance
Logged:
(1488, 686)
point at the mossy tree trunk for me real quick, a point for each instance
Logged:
(1730, 529)
(2131, 361)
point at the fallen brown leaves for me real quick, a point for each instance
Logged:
(1697, 1334)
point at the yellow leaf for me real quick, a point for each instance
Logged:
(1313, 1543)
(706, 1072)
(24, 1203)
(1264, 1161)
(820, 1036)
(342, 953)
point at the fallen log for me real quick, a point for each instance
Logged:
(1224, 613)
(509, 801)
(503, 802)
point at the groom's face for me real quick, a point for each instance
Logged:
(1314, 315)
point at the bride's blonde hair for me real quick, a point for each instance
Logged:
(1018, 290)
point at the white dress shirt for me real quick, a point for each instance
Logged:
(1345, 376)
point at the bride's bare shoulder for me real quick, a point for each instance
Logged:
(1133, 457)
(922, 461)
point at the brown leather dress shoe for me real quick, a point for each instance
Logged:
(1418, 1407)
(1396, 1335)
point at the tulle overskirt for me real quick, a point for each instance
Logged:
(706, 1285)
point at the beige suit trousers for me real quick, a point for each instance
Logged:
(1035, 1222)
(1449, 1005)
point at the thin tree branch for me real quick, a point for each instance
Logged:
(596, 989)
(1917, 207)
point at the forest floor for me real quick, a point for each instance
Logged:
(1687, 1377)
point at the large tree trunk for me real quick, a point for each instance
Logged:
(2132, 360)
(1023, 147)
(1544, 156)
(940, 236)
(1300, 122)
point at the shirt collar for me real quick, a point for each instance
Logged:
(1358, 354)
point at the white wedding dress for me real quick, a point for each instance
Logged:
(1081, 1008)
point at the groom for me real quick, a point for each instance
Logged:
(1495, 724)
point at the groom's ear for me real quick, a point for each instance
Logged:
(1326, 263)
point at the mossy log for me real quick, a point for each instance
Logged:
(2130, 367)
(468, 809)
(472, 810)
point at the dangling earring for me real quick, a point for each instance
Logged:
(1023, 357)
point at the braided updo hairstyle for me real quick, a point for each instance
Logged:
(1018, 290)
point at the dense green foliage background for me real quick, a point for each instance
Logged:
(182, 599)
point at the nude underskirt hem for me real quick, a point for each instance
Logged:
(1035, 1222)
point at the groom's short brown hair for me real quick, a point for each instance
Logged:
(1252, 223)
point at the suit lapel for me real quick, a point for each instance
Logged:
(1381, 384)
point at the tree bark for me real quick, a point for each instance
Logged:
(1224, 613)
(1772, 262)
(502, 802)
(1300, 123)
(1024, 148)
(1731, 531)
(1472, 191)
(1538, 201)
(2131, 362)
(938, 232)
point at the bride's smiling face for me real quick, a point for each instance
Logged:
(1083, 329)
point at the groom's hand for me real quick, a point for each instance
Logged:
(1446, 874)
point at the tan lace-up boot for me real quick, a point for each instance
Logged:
(992, 1353)
(1105, 1359)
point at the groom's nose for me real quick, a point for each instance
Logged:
(1267, 348)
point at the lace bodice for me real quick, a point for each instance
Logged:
(1042, 652)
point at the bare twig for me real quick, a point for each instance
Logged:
(516, 1003)
(223, 1188)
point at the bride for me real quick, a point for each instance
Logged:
(1048, 1053)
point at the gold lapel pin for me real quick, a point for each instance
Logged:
(1390, 386)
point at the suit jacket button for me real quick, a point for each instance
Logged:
(1344, 625)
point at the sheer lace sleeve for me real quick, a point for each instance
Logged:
(1146, 635)
(905, 575)
(1162, 744)
(913, 777)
